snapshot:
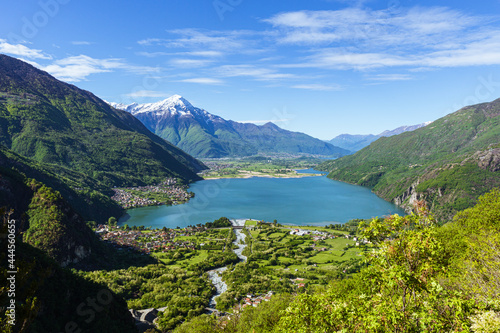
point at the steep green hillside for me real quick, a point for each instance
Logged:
(51, 299)
(57, 123)
(87, 196)
(45, 218)
(449, 163)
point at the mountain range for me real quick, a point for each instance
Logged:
(203, 134)
(448, 163)
(355, 142)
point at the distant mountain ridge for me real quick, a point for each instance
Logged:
(203, 134)
(355, 142)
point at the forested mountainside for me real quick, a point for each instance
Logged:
(57, 123)
(449, 163)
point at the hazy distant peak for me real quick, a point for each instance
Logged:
(358, 141)
(403, 129)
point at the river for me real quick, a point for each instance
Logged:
(315, 200)
(215, 274)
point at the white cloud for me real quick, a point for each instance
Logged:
(318, 87)
(190, 63)
(152, 54)
(361, 39)
(78, 68)
(205, 53)
(147, 93)
(429, 27)
(209, 43)
(390, 77)
(76, 42)
(21, 51)
(203, 80)
(262, 74)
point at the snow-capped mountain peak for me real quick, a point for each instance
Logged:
(175, 105)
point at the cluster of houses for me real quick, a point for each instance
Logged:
(315, 234)
(299, 282)
(213, 166)
(253, 300)
(169, 187)
(319, 235)
(154, 241)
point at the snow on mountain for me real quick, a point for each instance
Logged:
(202, 134)
(175, 105)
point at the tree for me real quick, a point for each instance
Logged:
(399, 291)
(112, 221)
(478, 228)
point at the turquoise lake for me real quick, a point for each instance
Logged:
(314, 200)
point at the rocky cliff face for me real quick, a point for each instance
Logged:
(437, 194)
(409, 198)
(486, 159)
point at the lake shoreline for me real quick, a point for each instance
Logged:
(254, 174)
(313, 201)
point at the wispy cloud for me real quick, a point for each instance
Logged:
(358, 38)
(78, 68)
(205, 53)
(21, 51)
(147, 93)
(390, 77)
(210, 43)
(258, 73)
(318, 87)
(203, 80)
(190, 63)
(81, 42)
(352, 26)
(153, 54)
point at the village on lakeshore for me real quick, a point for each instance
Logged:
(168, 192)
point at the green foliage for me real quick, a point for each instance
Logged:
(184, 293)
(219, 223)
(86, 195)
(477, 271)
(421, 278)
(55, 228)
(48, 297)
(112, 221)
(215, 260)
(262, 319)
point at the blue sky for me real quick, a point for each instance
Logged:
(322, 67)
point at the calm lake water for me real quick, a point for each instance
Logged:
(301, 201)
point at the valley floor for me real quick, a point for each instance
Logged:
(248, 264)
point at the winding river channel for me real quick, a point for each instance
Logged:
(215, 274)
